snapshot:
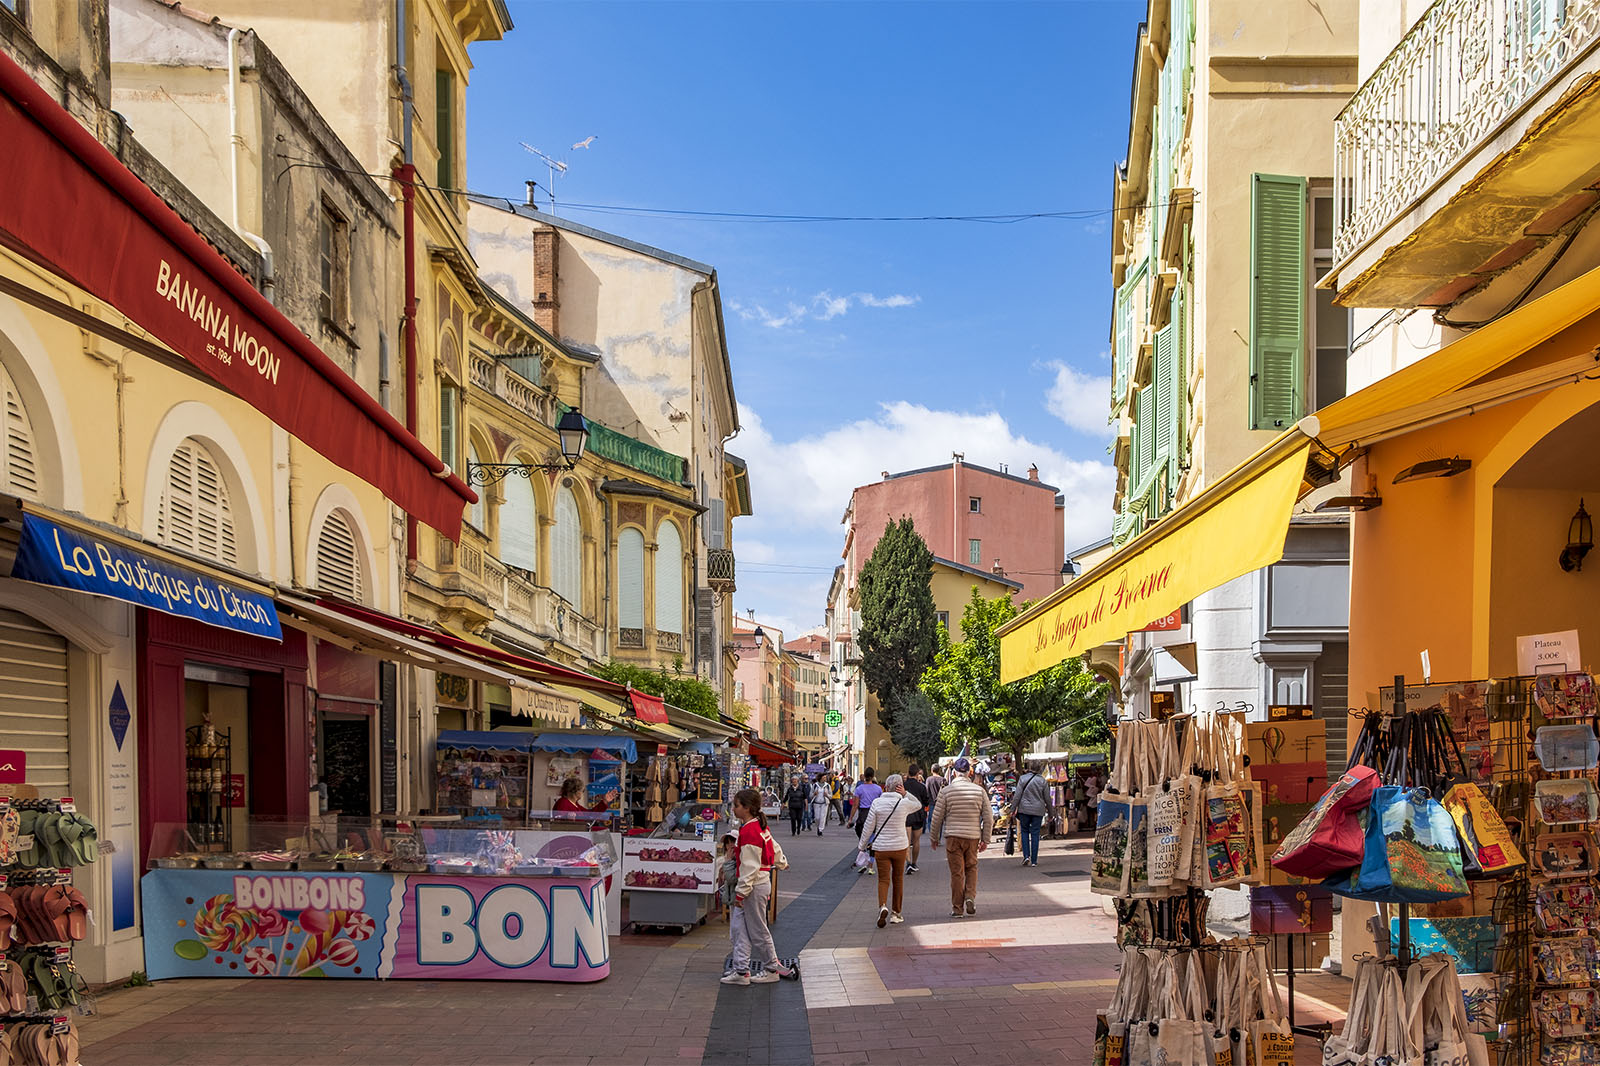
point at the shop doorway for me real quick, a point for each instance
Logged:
(216, 718)
(347, 763)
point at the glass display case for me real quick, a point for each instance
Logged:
(481, 777)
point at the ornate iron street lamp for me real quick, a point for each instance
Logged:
(573, 429)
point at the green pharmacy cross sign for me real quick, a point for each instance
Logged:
(833, 719)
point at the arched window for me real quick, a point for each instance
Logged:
(566, 554)
(339, 559)
(630, 586)
(669, 579)
(480, 509)
(519, 525)
(195, 515)
(18, 461)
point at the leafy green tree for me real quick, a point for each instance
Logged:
(898, 622)
(920, 730)
(964, 684)
(684, 691)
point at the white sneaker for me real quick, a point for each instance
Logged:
(883, 917)
(736, 978)
(765, 977)
(972, 906)
(895, 919)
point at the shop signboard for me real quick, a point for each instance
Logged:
(663, 865)
(225, 923)
(53, 554)
(833, 719)
(13, 766)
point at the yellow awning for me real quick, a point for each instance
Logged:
(1451, 381)
(1235, 525)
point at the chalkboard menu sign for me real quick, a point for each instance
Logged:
(388, 737)
(709, 789)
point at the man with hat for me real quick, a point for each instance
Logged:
(963, 814)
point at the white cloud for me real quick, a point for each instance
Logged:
(823, 307)
(866, 299)
(800, 489)
(1082, 401)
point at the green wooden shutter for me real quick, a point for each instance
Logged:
(1161, 382)
(1180, 379)
(444, 127)
(1277, 300)
(1148, 432)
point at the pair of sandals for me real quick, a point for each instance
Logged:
(36, 972)
(42, 914)
(60, 839)
(38, 1044)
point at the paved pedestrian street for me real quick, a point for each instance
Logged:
(1020, 981)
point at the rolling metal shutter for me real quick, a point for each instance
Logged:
(33, 698)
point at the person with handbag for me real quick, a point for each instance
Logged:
(884, 837)
(963, 812)
(796, 799)
(918, 792)
(1029, 804)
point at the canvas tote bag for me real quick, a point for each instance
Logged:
(1108, 867)
(1347, 1048)
(1225, 822)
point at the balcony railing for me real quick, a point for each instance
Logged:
(494, 376)
(1465, 68)
(719, 568)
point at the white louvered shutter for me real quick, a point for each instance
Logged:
(195, 515)
(567, 552)
(338, 562)
(21, 469)
(669, 579)
(33, 698)
(519, 526)
(630, 579)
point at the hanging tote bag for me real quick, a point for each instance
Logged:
(1347, 1048)
(1330, 840)
(1188, 787)
(1218, 1043)
(1411, 854)
(1181, 1036)
(1464, 1045)
(1482, 832)
(1165, 809)
(1143, 782)
(1271, 1036)
(1225, 823)
(1108, 867)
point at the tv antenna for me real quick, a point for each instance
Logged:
(555, 166)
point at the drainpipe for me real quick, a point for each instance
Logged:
(406, 175)
(269, 283)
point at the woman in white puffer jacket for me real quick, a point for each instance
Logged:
(884, 834)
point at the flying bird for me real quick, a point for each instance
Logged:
(586, 142)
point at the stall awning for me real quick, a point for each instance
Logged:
(1466, 374)
(1235, 525)
(384, 642)
(574, 743)
(75, 554)
(483, 741)
(76, 210)
(699, 724)
(663, 733)
(765, 754)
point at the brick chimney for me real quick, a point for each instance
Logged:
(547, 280)
(1033, 471)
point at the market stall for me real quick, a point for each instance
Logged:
(380, 900)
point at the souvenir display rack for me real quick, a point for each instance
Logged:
(208, 753)
(41, 840)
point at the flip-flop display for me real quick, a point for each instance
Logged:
(41, 914)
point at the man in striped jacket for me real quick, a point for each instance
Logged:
(962, 811)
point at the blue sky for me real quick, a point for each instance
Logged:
(860, 346)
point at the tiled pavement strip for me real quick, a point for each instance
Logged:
(1020, 981)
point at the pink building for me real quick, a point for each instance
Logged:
(758, 678)
(969, 515)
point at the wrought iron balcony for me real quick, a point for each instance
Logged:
(1463, 70)
(719, 569)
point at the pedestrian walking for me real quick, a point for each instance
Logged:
(841, 799)
(884, 835)
(1029, 805)
(797, 799)
(962, 813)
(934, 783)
(819, 805)
(759, 855)
(918, 792)
(727, 882)
(865, 793)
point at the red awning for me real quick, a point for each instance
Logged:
(766, 754)
(71, 206)
(543, 671)
(648, 708)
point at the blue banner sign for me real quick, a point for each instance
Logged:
(52, 554)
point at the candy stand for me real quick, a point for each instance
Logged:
(381, 901)
(670, 875)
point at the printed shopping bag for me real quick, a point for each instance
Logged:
(1347, 1047)
(1108, 867)
(1165, 810)
(1411, 854)
(1143, 778)
(1331, 838)
(1482, 832)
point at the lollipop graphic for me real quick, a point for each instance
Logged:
(342, 952)
(260, 961)
(359, 926)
